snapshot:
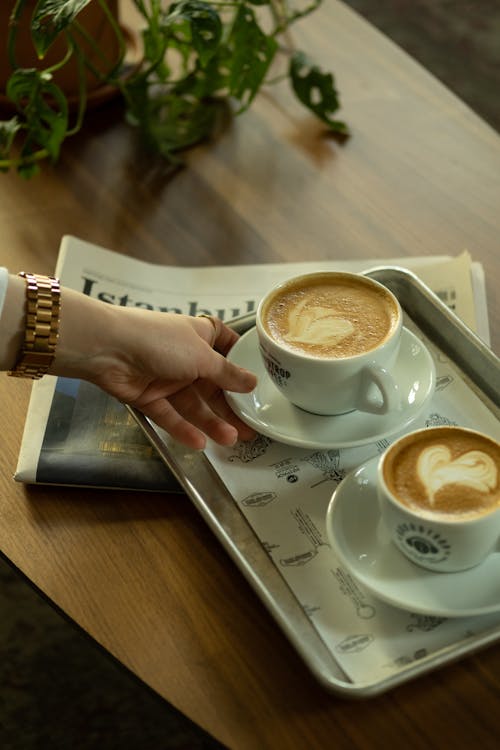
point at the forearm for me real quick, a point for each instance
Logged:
(86, 330)
(90, 335)
(172, 367)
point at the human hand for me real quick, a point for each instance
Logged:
(171, 367)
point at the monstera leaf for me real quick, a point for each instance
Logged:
(50, 18)
(316, 90)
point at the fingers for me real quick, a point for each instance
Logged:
(226, 375)
(190, 405)
(210, 335)
(219, 336)
(204, 406)
(189, 418)
(225, 339)
(166, 417)
(220, 406)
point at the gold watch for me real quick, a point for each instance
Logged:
(43, 306)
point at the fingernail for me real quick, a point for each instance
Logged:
(232, 441)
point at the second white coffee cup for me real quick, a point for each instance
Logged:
(329, 340)
(439, 496)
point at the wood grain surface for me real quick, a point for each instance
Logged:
(141, 573)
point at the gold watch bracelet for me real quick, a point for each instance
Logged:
(43, 308)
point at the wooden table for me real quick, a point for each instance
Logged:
(141, 573)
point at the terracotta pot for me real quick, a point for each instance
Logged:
(97, 26)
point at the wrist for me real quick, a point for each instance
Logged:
(41, 325)
(87, 337)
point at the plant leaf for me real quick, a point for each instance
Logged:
(251, 53)
(8, 131)
(173, 122)
(50, 17)
(204, 23)
(316, 90)
(44, 108)
(155, 43)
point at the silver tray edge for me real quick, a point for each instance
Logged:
(215, 504)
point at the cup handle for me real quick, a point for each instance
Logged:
(383, 381)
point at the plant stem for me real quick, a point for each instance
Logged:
(82, 92)
(280, 11)
(31, 159)
(16, 14)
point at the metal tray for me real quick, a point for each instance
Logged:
(478, 366)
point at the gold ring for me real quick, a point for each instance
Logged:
(213, 321)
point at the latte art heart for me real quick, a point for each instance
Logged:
(316, 325)
(330, 315)
(474, 469)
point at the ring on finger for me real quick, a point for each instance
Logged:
(214, 322)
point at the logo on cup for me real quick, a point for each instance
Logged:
(422, 544)
(276, 372)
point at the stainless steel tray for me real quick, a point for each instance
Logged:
(478, 366)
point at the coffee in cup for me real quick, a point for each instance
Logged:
(439, 495)
(330, 316)
(329, 339)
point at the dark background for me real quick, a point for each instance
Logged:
(457, 40)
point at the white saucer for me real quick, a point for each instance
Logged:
(359, 538)
(269, 412)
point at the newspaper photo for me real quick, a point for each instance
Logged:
(75, 434)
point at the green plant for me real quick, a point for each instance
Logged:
(195, 56)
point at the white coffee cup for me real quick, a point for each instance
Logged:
(439, 495)
(329, 340)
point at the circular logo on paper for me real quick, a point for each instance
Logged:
(422, 544)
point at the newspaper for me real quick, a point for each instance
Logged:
(75, 434)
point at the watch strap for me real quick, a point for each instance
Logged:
(43, 306)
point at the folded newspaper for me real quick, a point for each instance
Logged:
(75, 434)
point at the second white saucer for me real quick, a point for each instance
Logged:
(361, 542)
(271, 414)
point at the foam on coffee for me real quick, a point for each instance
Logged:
(445, 473)
(327, 316)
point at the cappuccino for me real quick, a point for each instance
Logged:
(329, 341)
(445, 473)
(330, 315)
